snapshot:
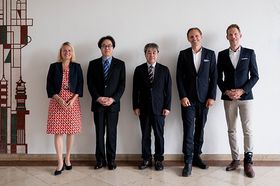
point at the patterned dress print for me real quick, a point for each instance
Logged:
(61, 120)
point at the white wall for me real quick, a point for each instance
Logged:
(133, 24)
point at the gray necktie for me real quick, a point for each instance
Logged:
(151, 73)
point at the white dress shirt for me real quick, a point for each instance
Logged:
(197, 59)
(234, 56)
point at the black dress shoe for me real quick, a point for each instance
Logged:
(187, 170)
(197, 162)
(145, 163)
(112, 165)
(99, 165)
(158, 166)
(58, 172)
(67, 167)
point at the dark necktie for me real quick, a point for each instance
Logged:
(151, 73)
(106, 69)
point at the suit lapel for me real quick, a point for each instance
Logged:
(156, 73)
(146, 73)
(191, 62)
(201, 60)
(240, 57)
(60, 78)
(100, 69)
(71, 70)
(113, 63)
(228, 59)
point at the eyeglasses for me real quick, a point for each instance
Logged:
(106, 46)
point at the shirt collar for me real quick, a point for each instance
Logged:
(232, 51)
(152, 64)
(107, 58)
(197, 52)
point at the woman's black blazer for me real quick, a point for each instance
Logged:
(54, 79)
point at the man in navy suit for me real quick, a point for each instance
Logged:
(237, 75)
(151, 102)
(106, 84)
(197, 83)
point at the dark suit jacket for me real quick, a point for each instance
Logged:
(157, 94)
(245, 76)
(113, 87)
(201, 85)
(54, 79)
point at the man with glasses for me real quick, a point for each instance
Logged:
(106, 84)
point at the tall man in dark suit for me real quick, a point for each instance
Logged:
(151, 102)
(197, 84)
(106, 84)
(237, 74)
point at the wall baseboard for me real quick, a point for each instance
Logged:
(128, 159)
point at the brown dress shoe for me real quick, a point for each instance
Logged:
(248, 169)
(233, 165)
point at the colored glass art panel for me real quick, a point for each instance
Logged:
(3, 34)
(13, 95)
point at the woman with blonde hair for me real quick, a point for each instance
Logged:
(64, 87)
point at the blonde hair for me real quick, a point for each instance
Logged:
(59, 57)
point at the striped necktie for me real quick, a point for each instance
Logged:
(106, 69)
(151, 73)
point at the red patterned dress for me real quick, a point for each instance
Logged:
(61, 120)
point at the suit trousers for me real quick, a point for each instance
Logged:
(155, 122)
(194, 119)
(231, 110)
(105, 120)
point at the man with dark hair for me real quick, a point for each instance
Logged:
(106, 84)
(197, 84)
(151, 102)
(100, 42)
(237, 75)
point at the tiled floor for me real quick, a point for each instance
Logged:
(130, 176)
